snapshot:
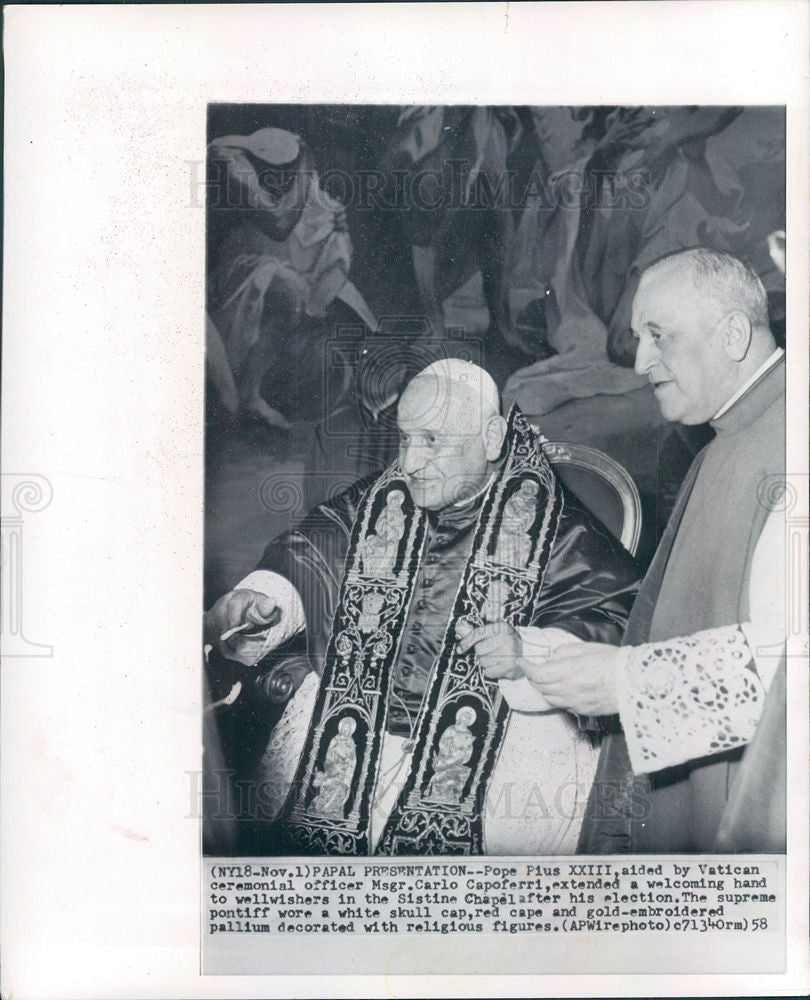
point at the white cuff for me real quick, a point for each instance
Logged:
(287, 599)
(687, 698)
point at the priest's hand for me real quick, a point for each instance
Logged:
(580, 677)
(499, 648)
(237, 625)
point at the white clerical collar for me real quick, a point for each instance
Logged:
(777, 354)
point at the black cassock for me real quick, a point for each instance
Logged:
(588, 590)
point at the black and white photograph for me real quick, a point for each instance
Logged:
(404, 500)
(494, 442)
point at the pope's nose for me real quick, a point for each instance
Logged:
(412, 458)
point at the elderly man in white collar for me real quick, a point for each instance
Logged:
(699, 683)
(393, 604)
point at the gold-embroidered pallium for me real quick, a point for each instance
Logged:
(462, 719)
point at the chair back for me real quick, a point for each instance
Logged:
(602, 485)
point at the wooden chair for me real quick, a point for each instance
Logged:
(604, 487)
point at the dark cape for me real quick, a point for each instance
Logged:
(698, 579)
(587, 588)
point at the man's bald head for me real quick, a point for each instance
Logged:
(451, 432)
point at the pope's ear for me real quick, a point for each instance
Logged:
(737, 336)
(493, 438)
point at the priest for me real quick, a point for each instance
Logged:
(699, 682)
(386, 608)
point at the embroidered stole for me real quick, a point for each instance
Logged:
(458, 731)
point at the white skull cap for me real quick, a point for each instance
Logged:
(470, 375)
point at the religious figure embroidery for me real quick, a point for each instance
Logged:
(450, 767)
(514, 539)
(334, 782)
(380, 547)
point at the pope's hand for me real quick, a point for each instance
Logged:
(580, 677)
(499, 649)
(238, 624)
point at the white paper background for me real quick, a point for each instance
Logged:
(103, 394)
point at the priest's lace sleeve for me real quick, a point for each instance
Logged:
(702, 694)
